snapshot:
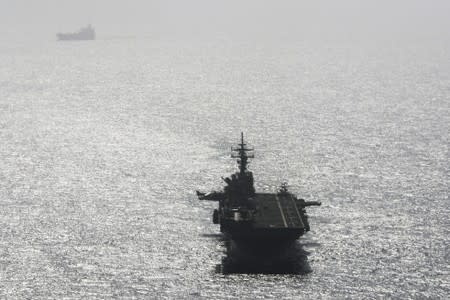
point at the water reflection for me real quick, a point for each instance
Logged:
(264, 259)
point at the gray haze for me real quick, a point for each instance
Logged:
(347, 19)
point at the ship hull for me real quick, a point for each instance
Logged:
(247, 234)
(276, 219)
(74, 37)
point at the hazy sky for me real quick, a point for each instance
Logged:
(421, 18)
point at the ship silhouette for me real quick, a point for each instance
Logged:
(85, 33)
(253, 218)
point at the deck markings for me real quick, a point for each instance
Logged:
(281, 211)
(298, 212)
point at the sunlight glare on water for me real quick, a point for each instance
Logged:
(104, 144)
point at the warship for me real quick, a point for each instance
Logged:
(247, 216)
(86, 33)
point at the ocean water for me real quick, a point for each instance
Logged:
(103, 144)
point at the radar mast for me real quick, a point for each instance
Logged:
(242, 153)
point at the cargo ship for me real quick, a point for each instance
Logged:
(85, 33)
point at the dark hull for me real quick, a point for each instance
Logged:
(74, 37)
(246, 234)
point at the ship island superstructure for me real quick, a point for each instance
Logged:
(249, 216)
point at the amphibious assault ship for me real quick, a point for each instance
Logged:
(86, 33)
(248, 216)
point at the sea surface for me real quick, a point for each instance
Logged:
(103, 144)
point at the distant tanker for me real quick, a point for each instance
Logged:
(86, 33)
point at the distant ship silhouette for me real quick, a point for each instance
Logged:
(85, 33)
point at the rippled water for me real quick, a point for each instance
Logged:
(104, 143)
